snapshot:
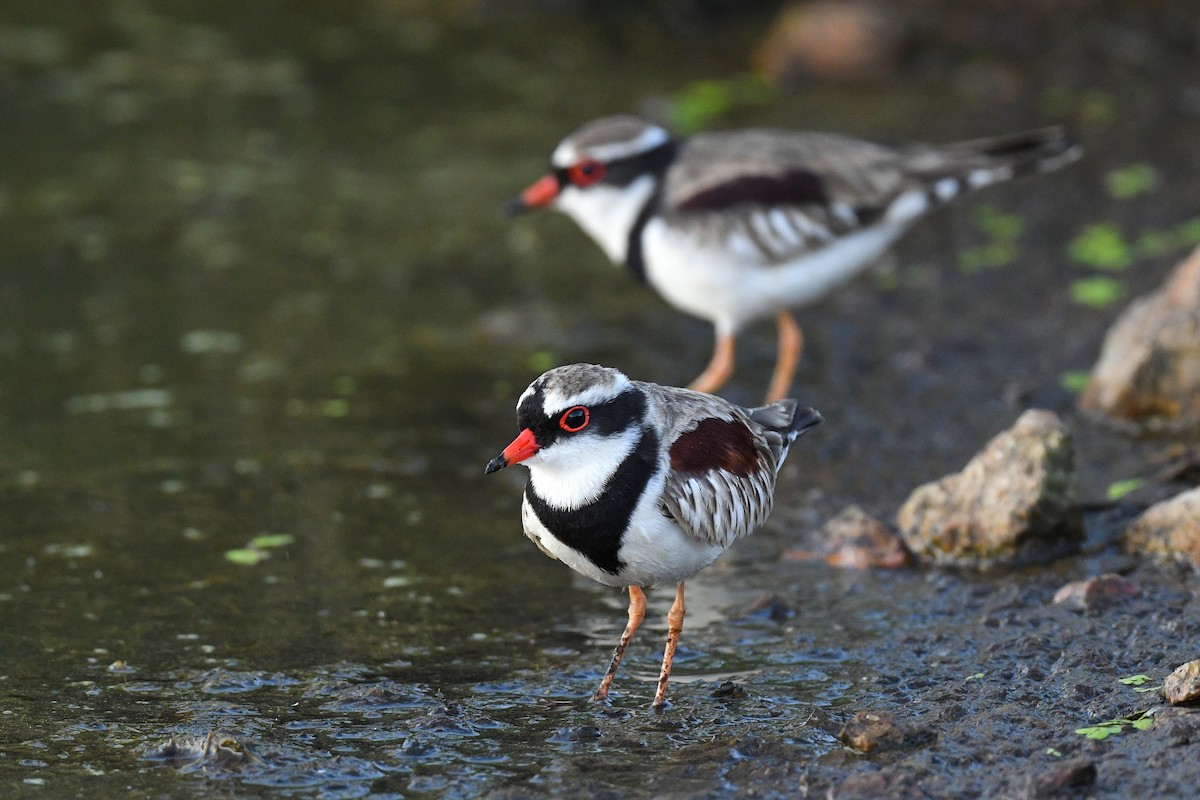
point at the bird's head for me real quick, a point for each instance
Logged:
(578, 424)
(607, 152)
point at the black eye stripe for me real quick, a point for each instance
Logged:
(624, 171)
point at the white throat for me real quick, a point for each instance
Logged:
(574, 471)
(607, 213)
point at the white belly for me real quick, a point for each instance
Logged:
(733, 287)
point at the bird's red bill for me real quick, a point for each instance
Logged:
(522, 447)
(540, 193)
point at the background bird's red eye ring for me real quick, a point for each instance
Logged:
(586, 172)
(575, 419)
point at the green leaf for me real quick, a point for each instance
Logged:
(268, 540)
(999, 226)
(698, 104)
(1188, 234)
(1132, 680)
(1099, 731)
(1075, 381)
(1115, 492)
(1156, 242)
(1101, 246)
(1098, 292)
(1050, 751)
(335, 408)
(986, 256)
(542, 360)
(1144, 689)
(1143, 724)
(974, 677)
(245, 556)
(1131, 181)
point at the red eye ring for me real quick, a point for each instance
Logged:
(575, 425)
(586, 172)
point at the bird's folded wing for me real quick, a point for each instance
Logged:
(784, 194)
(717, 507)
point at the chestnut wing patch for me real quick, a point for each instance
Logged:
(795, 187)
(716, 444)
(718, 488)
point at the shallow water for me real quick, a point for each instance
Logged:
(254, 279)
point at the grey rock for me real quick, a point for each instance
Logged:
(1095, 592)
(1170, 528)
(1183, 685)
(1014, 502)
(1149, 367)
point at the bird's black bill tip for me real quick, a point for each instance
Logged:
(496, 464)
(515, 205)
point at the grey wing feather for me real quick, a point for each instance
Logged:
(853, 183)
(715, 507)
(845, 184)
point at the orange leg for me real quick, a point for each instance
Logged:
(637, 610)
(791, 345)
(674, 628)
(719, 369)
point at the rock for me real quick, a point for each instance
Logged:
(857, 540)
(728, 690)
(1170, 528)
(1183, 685)
(1178, 725)
(1095, 592)
(831, 40)
(770, 606)
(1149, 366)
(1070, 776)
(868, 731)
(1014, 502)
(215, 748)
(875, 785)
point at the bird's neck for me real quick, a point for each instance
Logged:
(595, 527)
(614, 212)
(608, 213)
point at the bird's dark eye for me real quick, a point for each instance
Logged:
(586, 172)
(575, 419)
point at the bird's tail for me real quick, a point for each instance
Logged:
(950, 170)
(1040, 150)
(782, 424)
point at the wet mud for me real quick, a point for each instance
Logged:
(262, 323)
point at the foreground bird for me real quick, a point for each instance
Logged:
(740, 225)
(635, 484)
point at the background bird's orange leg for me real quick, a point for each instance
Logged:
(791, 345)
(637, 610)
(719, 369)
(674, 628)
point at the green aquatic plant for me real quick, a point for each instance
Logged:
(1116, 491)
(268, 541)
(258, 548)
(1002, 231)
(1097, 292)
(1075, 381)
(542, 360)
(700, 103)
(1127, 182)
(1101, 246)
(1140, 721)
(1138, 682)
